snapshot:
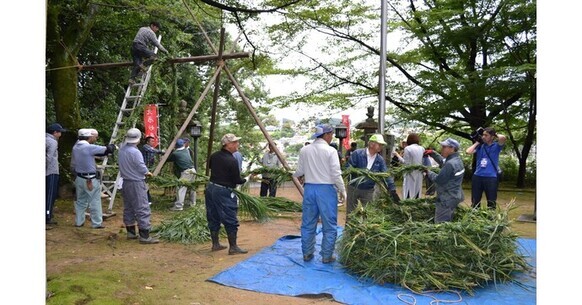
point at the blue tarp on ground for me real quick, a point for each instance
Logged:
(279, 269)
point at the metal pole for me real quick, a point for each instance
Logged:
(196, 154)
(382, 81)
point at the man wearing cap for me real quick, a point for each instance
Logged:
(183, 170)
(145, 37)
(319, 165)
(448, 181)
(87, 184)
(53, 133)
(369, 158)
(135, 201)
(221, 201)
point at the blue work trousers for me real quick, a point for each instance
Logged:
(88, 199)
(319, 200)
(136, 207)
(221, 207)
(52, 190)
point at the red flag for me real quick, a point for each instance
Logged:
(346, 121)
(150, 121)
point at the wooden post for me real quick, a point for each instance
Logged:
(214, 104)
(188, 119)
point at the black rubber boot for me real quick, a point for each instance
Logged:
(216, 246)
(145, 238)
(234, 249)
(131, 232)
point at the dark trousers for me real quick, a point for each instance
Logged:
(268, 185)
(484, 184)
(52, 190)
(221, 208)
(138, 53)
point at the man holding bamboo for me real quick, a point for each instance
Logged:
(320, 166)
(370, 159)
(221, 201)
(448, 182)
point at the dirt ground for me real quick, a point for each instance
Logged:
(103, 267)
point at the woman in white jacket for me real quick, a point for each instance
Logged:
(412, 186)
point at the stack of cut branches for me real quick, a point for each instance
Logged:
(400, 244)
(187, 227)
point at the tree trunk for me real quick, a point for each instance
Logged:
(63, 44)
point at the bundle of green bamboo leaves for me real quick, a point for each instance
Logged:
(187, 227)
(276, 175)
(250, 207)
(401, 244)
(280, 204)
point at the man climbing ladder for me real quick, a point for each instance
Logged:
(141, 54)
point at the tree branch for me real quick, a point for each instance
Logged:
(247, 10)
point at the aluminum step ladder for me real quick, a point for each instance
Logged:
(131, 101)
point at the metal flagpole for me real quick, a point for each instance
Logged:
(382, 81)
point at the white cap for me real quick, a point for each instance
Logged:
(133, 135)
(84, 132)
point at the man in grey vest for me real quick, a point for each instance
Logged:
(87, 184)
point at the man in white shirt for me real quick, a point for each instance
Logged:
(320, 167)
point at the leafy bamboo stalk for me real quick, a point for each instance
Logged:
(252, 207)
(172, 181)
(277, 175)
(280, 204)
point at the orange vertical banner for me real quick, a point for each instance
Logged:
(150, 121)
(346, 122)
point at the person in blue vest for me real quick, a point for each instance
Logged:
(485, 177)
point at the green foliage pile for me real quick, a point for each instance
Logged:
(400, 244)
(187, 227)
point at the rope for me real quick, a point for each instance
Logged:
(435, 300)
